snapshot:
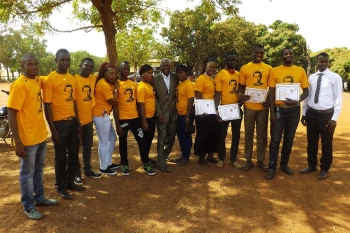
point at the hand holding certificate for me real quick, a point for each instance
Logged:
(229, 112)
(203, 106)
(288, 91)
(256, 95)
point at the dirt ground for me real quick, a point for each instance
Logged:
(192, 198)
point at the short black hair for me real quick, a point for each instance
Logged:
(61, 51)
(285, 48)
(86, 59)
(231, 53)
(323, 54)
(144, 68)
(259, 46)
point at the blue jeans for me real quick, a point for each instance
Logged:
(185, 139)
(31, 175)
(287, 124)
(107, 138)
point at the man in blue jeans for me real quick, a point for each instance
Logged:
(29, 132)
(285, 114)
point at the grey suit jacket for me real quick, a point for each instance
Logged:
(165, 102)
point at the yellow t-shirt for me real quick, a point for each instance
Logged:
(103, 92)
(145, 94)
(184, 91)
(255, 75)
(228, 85)
(58, 89)
(127, 100)
(289, 74)
(84, 97)
(206, 85)
(25, 96)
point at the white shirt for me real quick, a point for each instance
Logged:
(166, 80)
(330, 95)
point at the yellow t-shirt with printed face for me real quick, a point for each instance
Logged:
(228, 85)
(184, 91)
(103, 92)
(146, 95)
(58, 89)
(84, 97)
(25, 96)
(289, 74)
(255, 75)
(206, 85)
(127, 100)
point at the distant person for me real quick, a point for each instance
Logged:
(255, 74)
(165, 84)
(146, 103)
(206, 142)
(321, 110)
(184, 106)
(226, 92)
(29, 132)
(101, 110)
(284, 115)
(62, 116)
(127, 118)
(85, 85)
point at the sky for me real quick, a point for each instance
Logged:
(323, 23)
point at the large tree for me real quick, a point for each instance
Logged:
(106, 15)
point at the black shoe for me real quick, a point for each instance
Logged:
(247, 166)
(270, 173)
(75, 187)
(322, 175)
(62, 192)
(93, 174)
(261, 165)
(108, 171)
(203, 162)
(147, 167)
(164, 169)
(114, 166)
(78, 180)
(125, 170)
(175, 160)
(45, 202)
(287, 170)
(308, 170)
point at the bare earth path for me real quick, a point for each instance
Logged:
(191, 198)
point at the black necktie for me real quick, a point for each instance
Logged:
(318, 88)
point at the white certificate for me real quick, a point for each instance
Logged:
(256, 95)
(229, 112)
(290, 91)
(204, 106)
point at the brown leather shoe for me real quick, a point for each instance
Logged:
(308, 170)
(322, 175)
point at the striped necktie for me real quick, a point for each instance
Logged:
(318, 88)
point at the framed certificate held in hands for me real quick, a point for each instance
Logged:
(229, 112)
(256, 95)
(290, 91)
(204, 106)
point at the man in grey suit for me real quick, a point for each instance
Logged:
(165, 84)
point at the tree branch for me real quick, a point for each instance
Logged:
(86, 28)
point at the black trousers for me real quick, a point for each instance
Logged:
(66, 152)
(149, 134)
(207, 135)
(86, 142)
(135, 126)
(316, 127)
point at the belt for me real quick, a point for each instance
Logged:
(68, 118)
(285, 106)
(322, 111)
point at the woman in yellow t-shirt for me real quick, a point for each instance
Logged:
(207, 124)
(184, 107)
(101, 110)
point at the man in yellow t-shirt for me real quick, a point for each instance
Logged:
(255, 74)
(127, 118)
(226, 92)
(26, 120)
(62, 116)
(285, 115)
(84, 93)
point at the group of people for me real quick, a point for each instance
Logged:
(72, 104)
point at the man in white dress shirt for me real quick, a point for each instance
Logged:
(321, 110)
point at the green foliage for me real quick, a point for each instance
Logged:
(136, 46)
(278, 36)
(78, 56)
